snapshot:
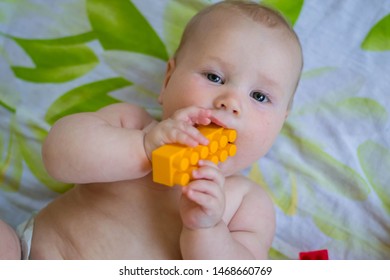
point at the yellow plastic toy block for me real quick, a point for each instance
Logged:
(173, 164)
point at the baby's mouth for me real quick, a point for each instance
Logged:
(218, 122)
(221, 121)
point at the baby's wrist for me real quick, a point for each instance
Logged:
(203, 227)
(148, 147)
(147, 151)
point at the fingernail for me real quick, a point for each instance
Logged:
(195, 173)
(205, 141)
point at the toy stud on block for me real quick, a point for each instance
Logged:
(314, 255)
(173, 164)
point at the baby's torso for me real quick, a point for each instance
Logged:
(122, 220)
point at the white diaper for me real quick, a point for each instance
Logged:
(25, 232)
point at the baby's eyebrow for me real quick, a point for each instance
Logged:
(268, 83)
(220, 61)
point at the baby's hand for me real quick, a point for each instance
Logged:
(203, 200)
(178, 129)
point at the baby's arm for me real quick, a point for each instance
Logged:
(102, 146)
(9, 243)
(116, 142)
(248, 235)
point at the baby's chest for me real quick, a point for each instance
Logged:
(130, 235)
(149, 235)
(151, 227)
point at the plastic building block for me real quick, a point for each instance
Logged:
(314, 255)
(173, 164)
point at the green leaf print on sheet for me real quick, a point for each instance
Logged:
(86, 98)
(11, 163)
(378, 38)
(344, 230)
(375, 161)
(24, 146)
(319, 165)
(363, 108)
(57, 60)
(30, 148)
(286, 198)
(290, 9)
(119, 25)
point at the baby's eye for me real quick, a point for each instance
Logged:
(214, 78)
(259, 96)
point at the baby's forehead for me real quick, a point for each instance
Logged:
(226, 17)
(253, 12)
(223, 24)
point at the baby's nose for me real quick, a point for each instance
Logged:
(229, 104)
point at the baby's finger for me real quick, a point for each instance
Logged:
(205, 200)
(204, 186)
(209, 171)
(193, 115)
(186, 134)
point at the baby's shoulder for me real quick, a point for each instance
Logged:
(126, 115)
(250, 214)
(251, 210)
(245, 195)
(243, 186)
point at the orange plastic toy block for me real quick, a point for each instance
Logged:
(173, 164)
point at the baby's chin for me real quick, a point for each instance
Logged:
(230, 168)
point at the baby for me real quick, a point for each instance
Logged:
(238, 66)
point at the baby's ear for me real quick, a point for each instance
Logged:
(168, 73)
(171, 64)
(287, 114)
(289, 107)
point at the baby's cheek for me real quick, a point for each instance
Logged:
(254, 148)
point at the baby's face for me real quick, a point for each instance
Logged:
(246, 73)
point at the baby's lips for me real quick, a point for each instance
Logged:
(218, 118)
